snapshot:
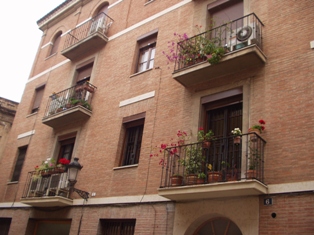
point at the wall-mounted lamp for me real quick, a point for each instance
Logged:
(73, 169)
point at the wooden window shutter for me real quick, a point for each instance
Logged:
(84, 72)
(38, 97)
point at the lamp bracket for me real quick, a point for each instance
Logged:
(83, 194)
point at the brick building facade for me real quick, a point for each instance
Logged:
(107, 88)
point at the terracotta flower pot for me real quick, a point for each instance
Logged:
(206, 144)
(214, 176)
(176, 180)
(237, 139)
(253, 137)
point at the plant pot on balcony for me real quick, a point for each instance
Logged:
(191, 179)
(253, 137)
(251, 174)
(237, 139)
(206, 144)
(88, 88)
(214, 176)
(176, 180)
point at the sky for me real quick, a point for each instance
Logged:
(19, 42)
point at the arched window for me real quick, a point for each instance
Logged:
(218, 226)
(55, 43)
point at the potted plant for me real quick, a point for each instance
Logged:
(236, 132)
(193, 163)
(254, 160)
(44, 169)
(201, 178)
(176, 180)
(213, 176)
(206, 138)
(81, 102)
(62, 165)
(257, 129)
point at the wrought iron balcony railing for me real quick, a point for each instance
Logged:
(226, 159)
(80, 94)
(49, 183)
(232, 36)
(100, 23)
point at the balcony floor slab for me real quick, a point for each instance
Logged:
(47, 201)
(231, 63)
(215, 190)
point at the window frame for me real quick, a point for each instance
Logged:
(133, 126)
(22, 151)
(146, 43)
(38, 96)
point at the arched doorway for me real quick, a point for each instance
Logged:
(218, 226)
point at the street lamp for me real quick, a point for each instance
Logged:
(73, 169)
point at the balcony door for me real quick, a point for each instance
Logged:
(222, 116)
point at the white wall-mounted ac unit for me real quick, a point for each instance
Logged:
(97, 25)
(244, 36)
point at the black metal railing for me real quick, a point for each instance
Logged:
(231, 36)
(80, 94)
(101, 23)
(47, 183)
(225, 159)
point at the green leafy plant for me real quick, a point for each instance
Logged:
(202, 136)
(260, 126)
(81, 102)
(194, 160)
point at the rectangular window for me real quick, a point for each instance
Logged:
(133, 127)
(39, 92)
(147, 49)
(5, 226)
(19, 164)
(66, 144)
(49, 227)
(117, 226)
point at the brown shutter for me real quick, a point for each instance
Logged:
(38, 97)
(225, 11)
(84, 72)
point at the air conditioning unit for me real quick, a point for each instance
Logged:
(97, 25)
(244, 36)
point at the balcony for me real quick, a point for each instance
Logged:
(241, 44)
(69, 106)
(47, 189)
(88, 37)
(229, 167)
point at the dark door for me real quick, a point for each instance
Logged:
(222, 117)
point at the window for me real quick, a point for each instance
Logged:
(222, 11)
(56, 43)
(222, 113)
(117, 226)
(39, 92)
(66, 144)
(147, 48)
(49, 227)
(133, 127)
(19, 163)
(5, 226)
(84, 72)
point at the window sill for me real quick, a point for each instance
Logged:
(135, 74)
(148, 2)
(12, 182)
(32, 114)
(47, 58)
(125, 167)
